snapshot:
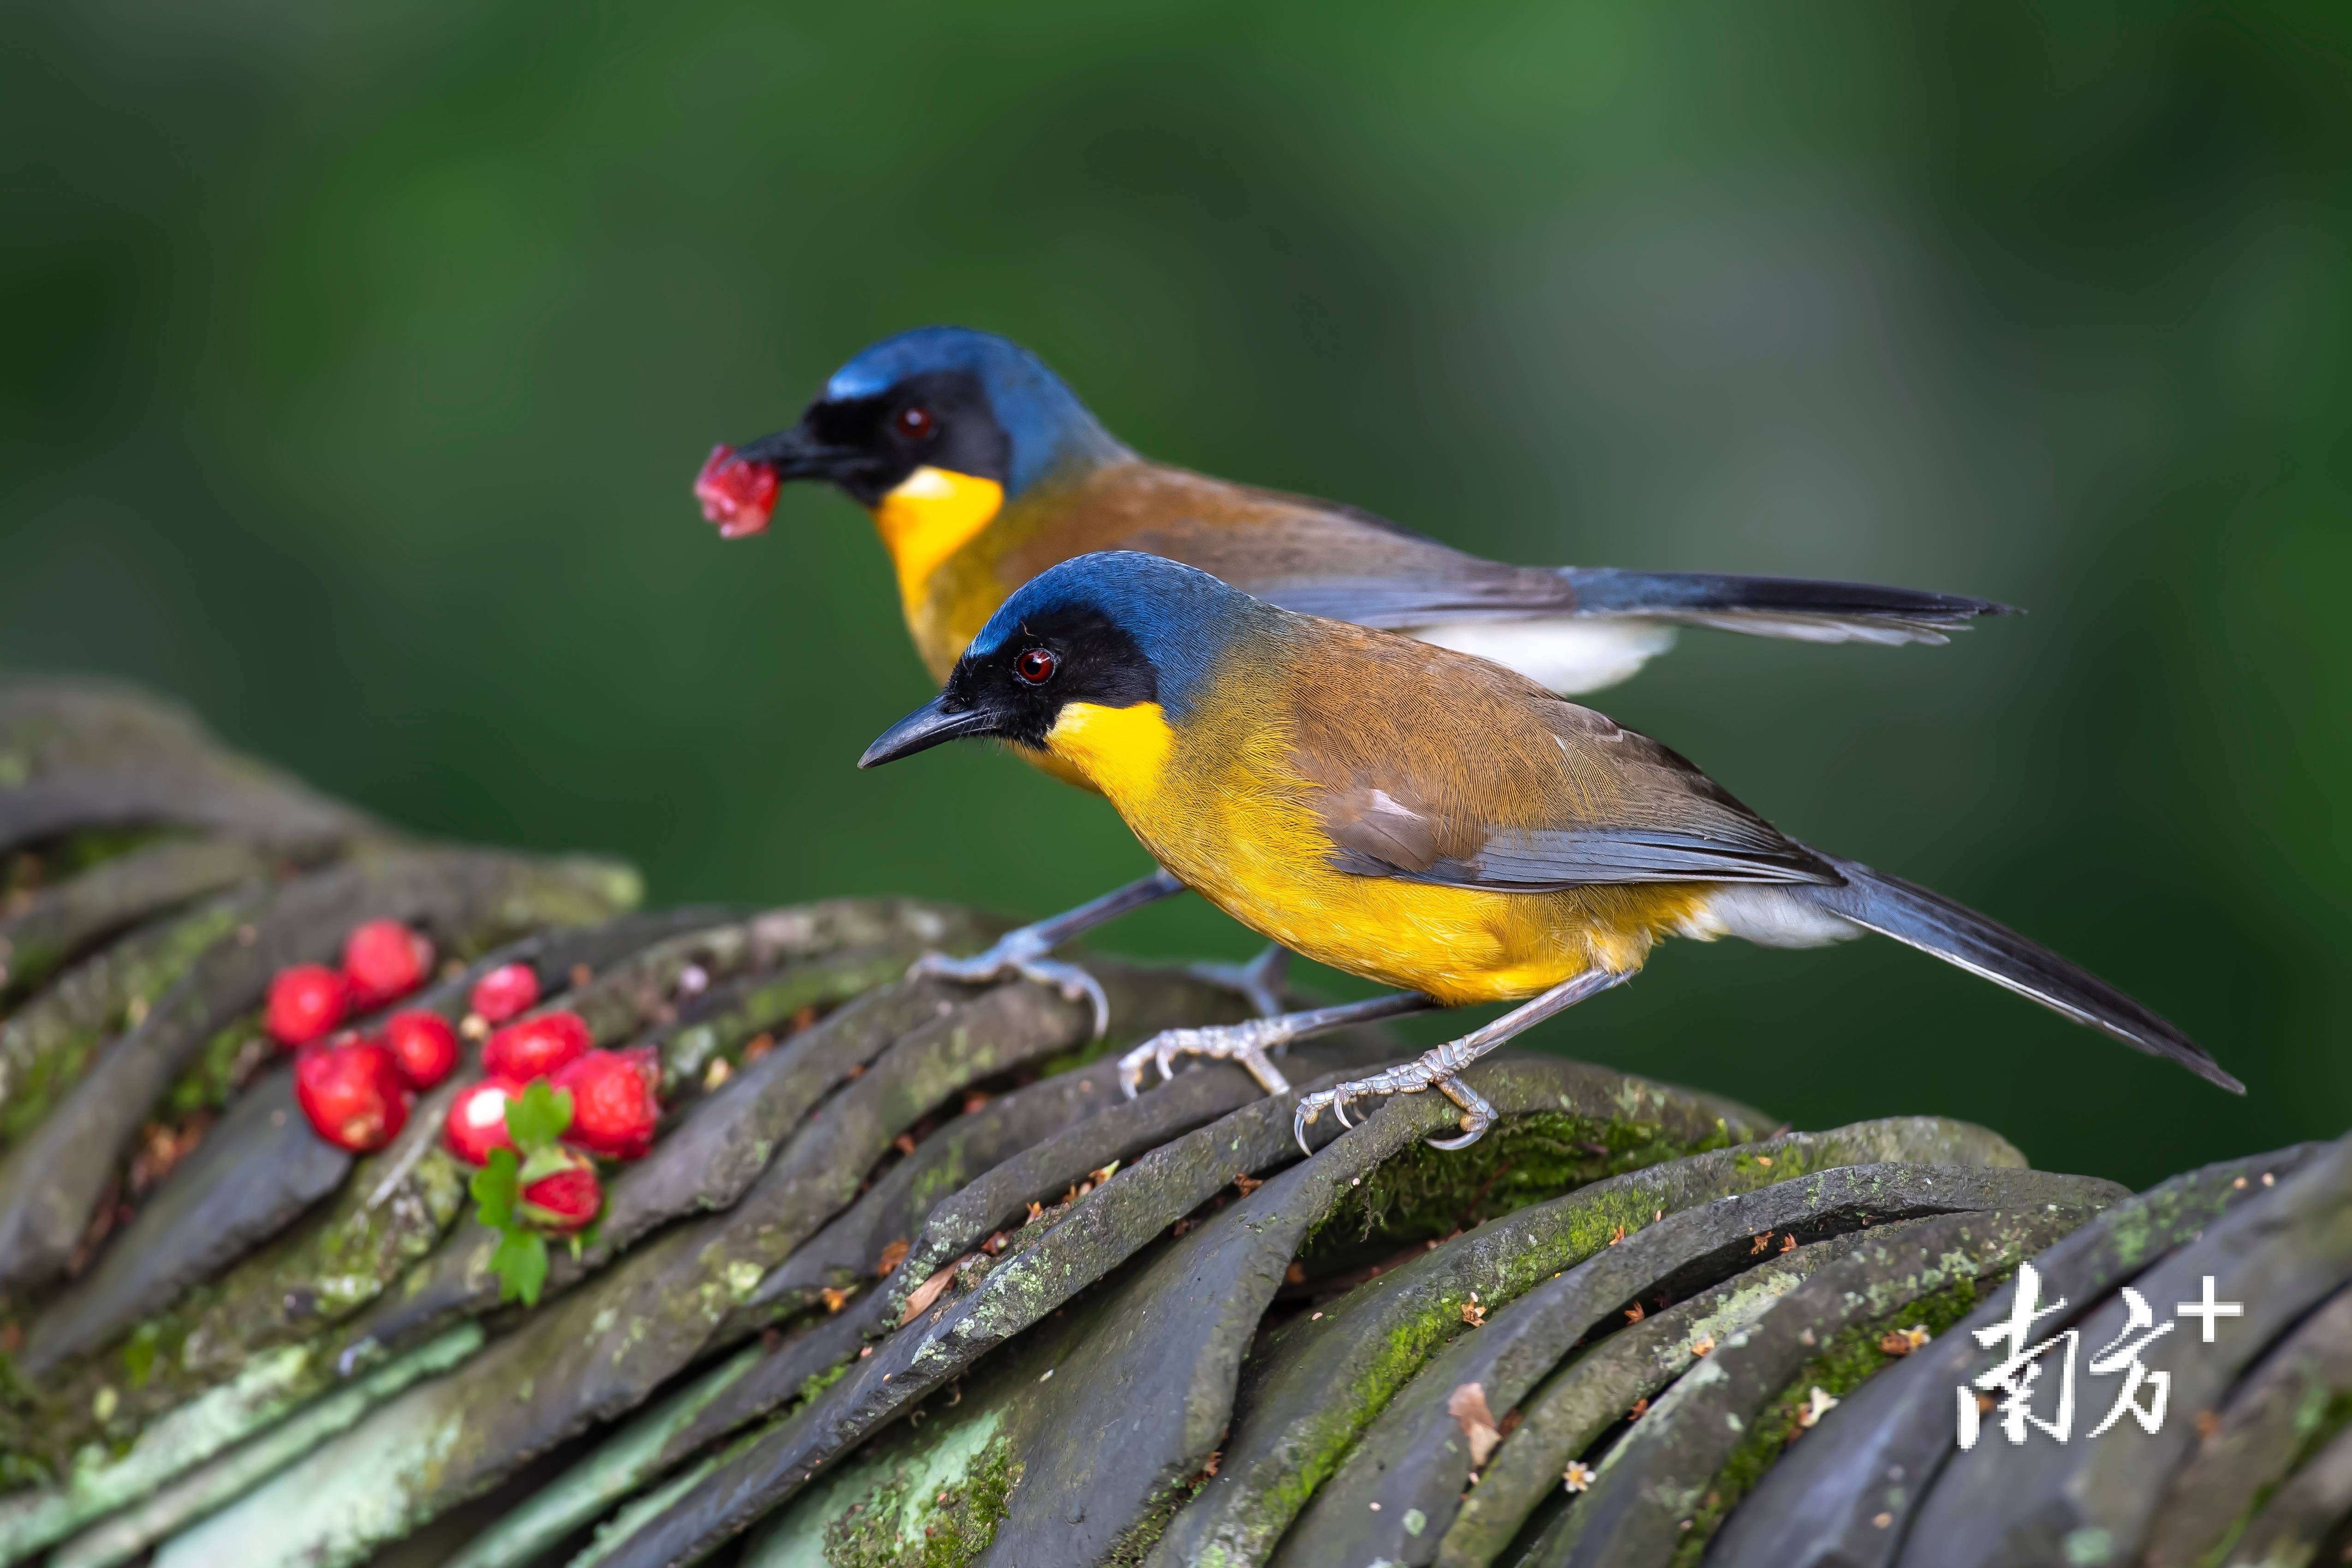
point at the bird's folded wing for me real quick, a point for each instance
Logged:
(1463, 774)
(1534, 860)
(1322, 558)
(1551, 859)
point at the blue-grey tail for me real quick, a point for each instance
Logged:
(1933, 923)
(1800, 607)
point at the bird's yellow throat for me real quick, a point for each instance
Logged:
(1119, 750)
(929, 516)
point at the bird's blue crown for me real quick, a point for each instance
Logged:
(1180, 616)
(1050, 430)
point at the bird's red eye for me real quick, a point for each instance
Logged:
(916, 422)
(1037, 666)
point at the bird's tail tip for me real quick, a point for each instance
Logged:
(1959, 935)
(1803, 601)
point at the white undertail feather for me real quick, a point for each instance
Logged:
(1573, 654)
(1768, 916)
(1568, 655)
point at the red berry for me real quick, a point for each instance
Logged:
(736, 494)
(615, 1103)
(476, 1122)
(351, 1093)
(508, 989)
(305, 1003)
(384, 960)
(533, 1047)
(423, 1046)
(565, 1200)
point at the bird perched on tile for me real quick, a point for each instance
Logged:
(981, 469)
(1421, 817)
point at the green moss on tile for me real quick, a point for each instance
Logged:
(45, 1047)
(1846, 1364)
(817, 1382)
(893, 1526)
(1527, 1159)
(216, 1073)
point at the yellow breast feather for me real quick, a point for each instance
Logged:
(1242, 832)
(1121, 752)
(932, 514)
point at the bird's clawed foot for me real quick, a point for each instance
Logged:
(1020, 954)
(1439, 1070)
(1257, 983)
(1250, 1044)
(1245, 1044)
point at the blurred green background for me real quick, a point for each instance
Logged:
(354, 361)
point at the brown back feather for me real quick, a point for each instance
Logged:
(1423, 755)
(1259, 540)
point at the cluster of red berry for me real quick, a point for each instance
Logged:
(613, 1099)
(354, 1090)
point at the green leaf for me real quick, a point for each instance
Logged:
(545, 1162)
(496, 1188)
(537, 1117)
(521, 1264)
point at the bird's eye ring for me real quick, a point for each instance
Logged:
(916, 423)
(1037, 666)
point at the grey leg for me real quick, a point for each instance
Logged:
(1437, 1068)
(1249, 1043)
(1258, 982)
(1020, 954)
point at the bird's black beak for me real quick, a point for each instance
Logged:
(738, 489)
(799, 453)
(927, 727)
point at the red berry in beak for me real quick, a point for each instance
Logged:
(351, 1094)
(476, 1122)
(533, 1047)
(504, 992)
(565, 1201)
(423, 1045)
(384, 960)
(736, 494)
(305, 1003)
(615, 1103)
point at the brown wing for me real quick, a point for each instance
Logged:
(1439, 767)
(1323, 558)
(1313, 556)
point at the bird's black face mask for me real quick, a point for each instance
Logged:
(868, 446)
(1016, 689)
